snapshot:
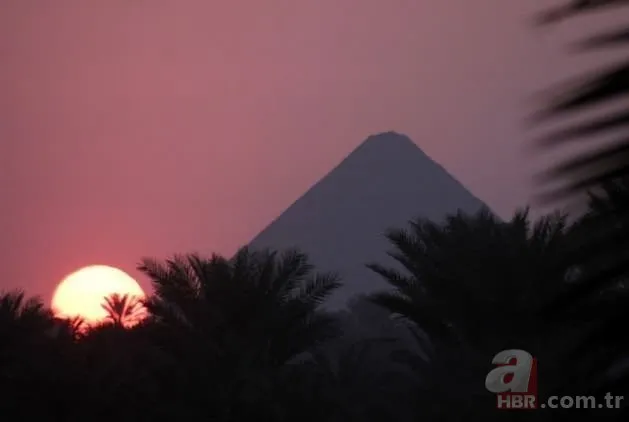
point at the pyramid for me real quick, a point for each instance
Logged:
(340, 221)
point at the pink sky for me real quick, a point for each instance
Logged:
(151, 127)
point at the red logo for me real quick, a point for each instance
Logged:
(514, 380)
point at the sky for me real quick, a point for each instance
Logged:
(153, 127)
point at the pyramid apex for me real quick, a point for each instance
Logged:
(387, 144)
(388, 137)
(389, 140)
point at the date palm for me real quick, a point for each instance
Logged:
(234, 320)
(22, 316)
(70, 329)
(259, 293)
(123, 310)
(471, 287)
(27, 364)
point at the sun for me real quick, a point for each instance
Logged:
(83, 292)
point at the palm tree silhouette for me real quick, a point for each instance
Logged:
(27, 358)
(72, 328)
(20, 315)
(472, 287)
(574, 8)
(233, 320)
(124, 310)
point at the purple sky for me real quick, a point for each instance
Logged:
(149, 127)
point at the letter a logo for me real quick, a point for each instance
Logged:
(516, 373)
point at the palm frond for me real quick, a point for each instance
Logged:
(427, 315)
(601, 165)
(595, 177)
(258, 308)
(124, 310)
(292, 271)
(614, 38)
(318, 289)
(408, 286)
(575, 7)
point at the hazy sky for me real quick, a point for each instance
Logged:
(149, 127)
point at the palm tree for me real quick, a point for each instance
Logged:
(29, 314)
(234, 320)
(24, 323)
(123, 310)
(603, 165)
(27, 359)
(601, 354)
(604, 206)
(120, 371)
(252, 291)
(68, 328)
(472, 287)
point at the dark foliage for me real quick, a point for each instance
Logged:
(246, 338)
(472, 287)
(602, 174)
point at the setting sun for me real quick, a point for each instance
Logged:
(83, 292)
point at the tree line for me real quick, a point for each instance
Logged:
(247, 338)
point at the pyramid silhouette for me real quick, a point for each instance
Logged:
(340, 222)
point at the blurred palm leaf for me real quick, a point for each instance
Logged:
(602, 168)
(598, 178)
(574, 8)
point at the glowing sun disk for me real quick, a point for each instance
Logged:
(83, 292)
